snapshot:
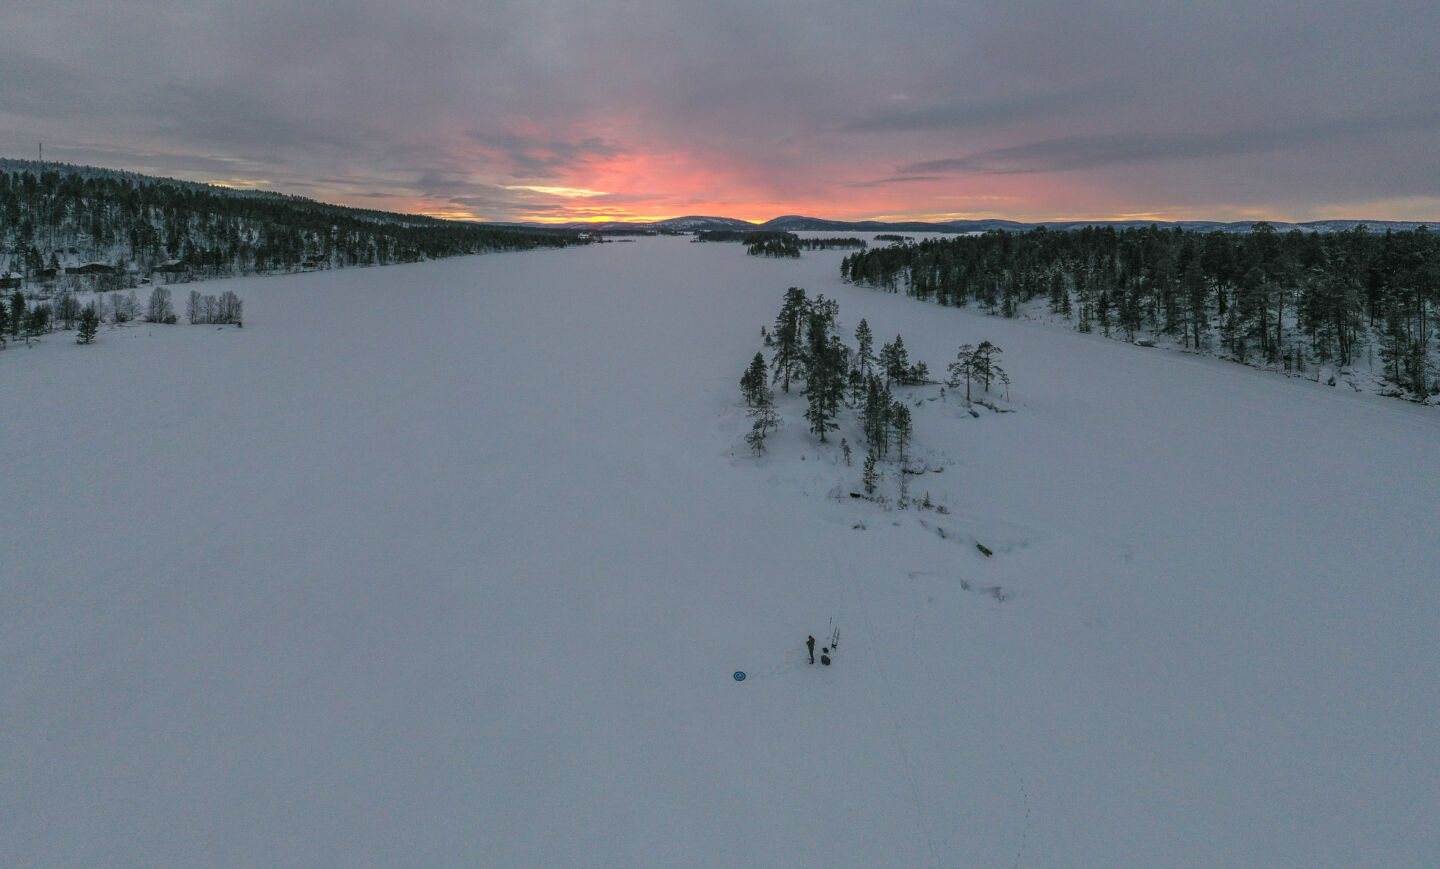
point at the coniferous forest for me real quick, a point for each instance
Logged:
(105, 229)
(776, 244)
(1293, 300)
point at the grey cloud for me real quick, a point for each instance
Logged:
(216, 115)
(153, 160)
(898, 179)
(443, 181)
(38, 86)
(960, 115)
(541, 157)
(1071, 153)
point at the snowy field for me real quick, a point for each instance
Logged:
(451, 564)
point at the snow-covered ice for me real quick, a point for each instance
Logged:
(451, 564)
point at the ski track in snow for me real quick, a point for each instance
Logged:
(890, 706)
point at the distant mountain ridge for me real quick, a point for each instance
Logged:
(801, 223)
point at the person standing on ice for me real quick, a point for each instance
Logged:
(810, 643)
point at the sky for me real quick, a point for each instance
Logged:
(551, 110)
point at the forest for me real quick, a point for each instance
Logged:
(105, 230)
(776, 244)
(1291, 300)
(807, 348)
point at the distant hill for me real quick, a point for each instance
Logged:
(84, 227)
(801, 223)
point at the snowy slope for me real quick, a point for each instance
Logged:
(450, 564)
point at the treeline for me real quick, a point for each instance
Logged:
(757, 242)
(724, 235)
(832, 243)
(1291, 299)
(784, 244)
(24, 319)
(53, 216)
(773, 243)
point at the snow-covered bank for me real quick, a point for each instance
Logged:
(450, 564)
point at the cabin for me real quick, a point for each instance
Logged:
(172, 268)
(91, 269)
(11, 281)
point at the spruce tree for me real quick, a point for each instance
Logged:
(17, 314)
(895, 362)
(89, 323)
(868, 477)
(864, 350)
(4, 324)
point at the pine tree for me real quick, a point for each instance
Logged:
(963, 368)
(764, 420)
(894, 361)
(37, 322)
(4, 324)
(876, 417)
(752, 383)
(985, 368)
(89, 323)
(868, 477)
(825, 370)
(864, 350)
(1190, 300)
(788, 349)
(857, 387)
(900, 424)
